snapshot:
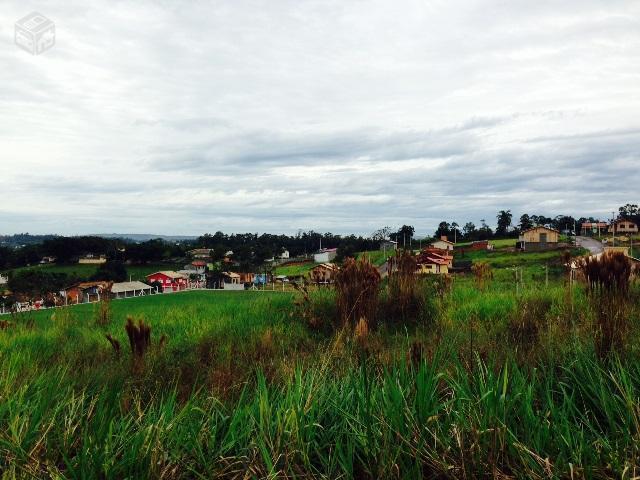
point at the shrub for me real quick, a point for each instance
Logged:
(608, 278)
(103, 313)
(404, 298)
(357, 291)
(482, 272)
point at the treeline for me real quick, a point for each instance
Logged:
(69, 249)
(253, 249)
(508, 227)
(249, 249)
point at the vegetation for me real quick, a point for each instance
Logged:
(473, 380)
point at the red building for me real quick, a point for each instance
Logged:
(170, 281)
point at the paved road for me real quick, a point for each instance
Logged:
(591, 244)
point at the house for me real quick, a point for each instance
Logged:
(200, 253)
(324, 273)
(434, 260)
(443, 243)
(46, 260)
(388, 245)
(623, 226)
(231, 281)
(538, 238)
(246, 277)
(284, 254)
(593, 228)
(86, 292)
(3, 280)
(169, 281)
(90, 259)
(325, 255)
(432, 265)
(131, 289)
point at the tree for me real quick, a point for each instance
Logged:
(485, 232)
(112, 271)
(404, 235)
(525, 222)
(454, 227)
(381, 234)
(34, 283)
(444, 229)
(628, 210)
(504, 222)
(469, 231)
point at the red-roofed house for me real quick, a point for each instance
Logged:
(169, 280)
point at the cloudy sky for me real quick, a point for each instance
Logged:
(176, 117)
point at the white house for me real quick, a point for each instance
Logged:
(130, 289)
(325, 255)
(284, 253)
(443, 244)
(3, 280)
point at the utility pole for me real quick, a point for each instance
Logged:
(613, 226)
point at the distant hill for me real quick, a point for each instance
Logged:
(143, 237)
(20, 239)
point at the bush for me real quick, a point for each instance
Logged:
(357, 291)
(608, 279)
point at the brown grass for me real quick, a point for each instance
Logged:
(608, 278)
(404, 299)
(357, 291)
(482, 273)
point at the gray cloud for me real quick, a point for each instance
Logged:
(341, 116)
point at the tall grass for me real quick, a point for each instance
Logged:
(244, 389)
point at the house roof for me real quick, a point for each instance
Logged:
(200, 251)
(433, 260)
(540, 226)
(168, 273)
(620, 220)
(129, 287)
(231, 274)
(84, 285)
(199, 263)
(442, 240)
(328, 266)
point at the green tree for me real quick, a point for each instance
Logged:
(525, 222)
(504, 222)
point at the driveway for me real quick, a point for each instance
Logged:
(591, 244)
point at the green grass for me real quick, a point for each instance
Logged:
(243, 387)
(376, 257)
(294, 270)
(84, 271)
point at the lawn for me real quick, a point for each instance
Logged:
(294, 270)
(487, 381)
(377, 257)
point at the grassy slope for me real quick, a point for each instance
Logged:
(83, 272)
(290, 270)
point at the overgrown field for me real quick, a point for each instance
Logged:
(480, 379)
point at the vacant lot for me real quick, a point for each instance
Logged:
(482, 379)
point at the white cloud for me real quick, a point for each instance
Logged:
(173, 117)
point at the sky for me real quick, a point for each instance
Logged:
(174, 117)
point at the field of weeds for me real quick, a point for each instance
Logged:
(428, 378)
